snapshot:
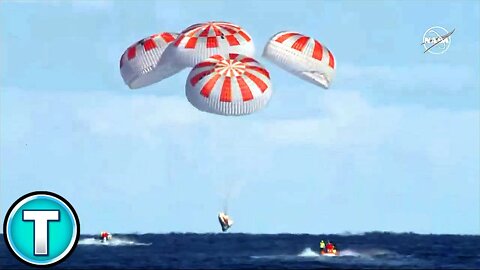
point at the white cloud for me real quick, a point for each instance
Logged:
(345, 119)
(88, 5)
(78, 5)
(345, 123)
(144, 116)
(346, 132)
(49, 2)
(430, 78)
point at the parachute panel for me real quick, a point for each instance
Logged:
(232, 85)
(201, 41)
(139, 64)
(302, 56)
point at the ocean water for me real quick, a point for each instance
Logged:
(298, 251)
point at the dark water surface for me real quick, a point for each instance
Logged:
(220, 251)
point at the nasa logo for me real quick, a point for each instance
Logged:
(437, 40)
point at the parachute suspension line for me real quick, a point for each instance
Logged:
(225, 207)
(226, 200)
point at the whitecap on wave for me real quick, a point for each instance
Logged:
(113, 242)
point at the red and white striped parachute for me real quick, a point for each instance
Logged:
(231, 85)
(303, 56)
(200, 41)
(139, 64)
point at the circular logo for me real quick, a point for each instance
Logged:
(41, 228)
(436, 40)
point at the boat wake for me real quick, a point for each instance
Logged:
(113, 242)
(347, 255)
(308, 252)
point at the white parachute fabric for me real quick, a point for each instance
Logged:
(200, 41)
(232, 85)
(303, 56)
(139, 64)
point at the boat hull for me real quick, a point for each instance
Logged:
(328, 254)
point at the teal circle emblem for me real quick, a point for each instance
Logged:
(41, 228)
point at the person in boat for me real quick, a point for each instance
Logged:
(330, 247)
(334, 248)
(225, 221)
(322, 246)
(105, 236)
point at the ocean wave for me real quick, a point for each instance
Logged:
(368, 253)
(113, 242)
(308, 252)
(345, 233)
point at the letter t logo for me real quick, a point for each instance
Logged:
(40, 220)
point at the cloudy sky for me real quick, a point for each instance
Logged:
(394, 144)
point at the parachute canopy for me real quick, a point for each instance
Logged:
(225, 221)
(200, 41)
(232, 85)
(303, 56)
(139, 64)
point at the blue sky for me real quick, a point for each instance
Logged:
(393, 145)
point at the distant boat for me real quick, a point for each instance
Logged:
(105, 236)
(330, 254)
